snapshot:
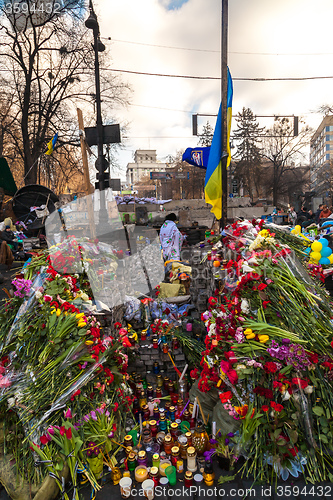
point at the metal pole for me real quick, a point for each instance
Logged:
(224, 97)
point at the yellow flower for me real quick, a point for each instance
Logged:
(81, 324)
(264, 233)
(263, 338)
(53, 310)
(79, 315)
(58, 312)
(89, 342)
(249, 334)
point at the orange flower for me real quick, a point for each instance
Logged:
(242, 410)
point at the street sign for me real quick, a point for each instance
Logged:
(111, 134)
(115, 184)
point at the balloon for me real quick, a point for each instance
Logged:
(293, 231)
(324, 261)
(316, 246)
(315, 256)
(326, 252)
(323, 241)
(298, 229)
(330, 258)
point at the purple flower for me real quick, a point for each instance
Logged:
(93, 415)
(231, 434)
(208, 454)
(100, 410)
(286, 341)
(227, 441)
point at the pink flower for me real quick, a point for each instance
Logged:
(47, 298)
(44, 439)
(62, 430)
(50, 430)
(69, 433)
(4, 382)
(68, 413)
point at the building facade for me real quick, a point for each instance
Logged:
(145, 161)
(321, 161)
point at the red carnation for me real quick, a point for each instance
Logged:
(225, 396)
(265, 408)
(270, 367)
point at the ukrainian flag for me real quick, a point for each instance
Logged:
(213, 180)
(51, 144)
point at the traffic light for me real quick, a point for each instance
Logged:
(102, 173)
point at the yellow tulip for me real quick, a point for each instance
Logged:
(249, 334)
(79, 315)
(58, 312)
(89, 342)
(81, 324)
(53, 310)
(263, 338)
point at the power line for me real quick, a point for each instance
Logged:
(239, 79)
(217, 51)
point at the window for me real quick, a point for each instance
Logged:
(328, 147)
(329, 128)
(328, 156)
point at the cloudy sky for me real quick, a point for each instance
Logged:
(267, 39)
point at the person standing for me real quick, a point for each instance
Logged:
(292, 216)
(171, 238)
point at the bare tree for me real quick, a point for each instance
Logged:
(47, 68)
(284, 152)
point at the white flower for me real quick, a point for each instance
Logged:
(240, 367)
(247, 269)
(38, 294)
(253, 260)
(84, 297)
(286, 396)
(245, 306)
(308, 389)
(211, 330)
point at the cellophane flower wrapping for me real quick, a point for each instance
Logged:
(269, 352)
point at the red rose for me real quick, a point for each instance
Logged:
(233, 377)
(276, 406)
(298, 381)
(265, 408)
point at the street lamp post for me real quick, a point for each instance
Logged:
(92, 23)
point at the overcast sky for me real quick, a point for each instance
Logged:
(267, 39)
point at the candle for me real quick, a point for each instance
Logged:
(194, 408)
(140, 421)
(141, 473)
(163, 465)
(213, 430)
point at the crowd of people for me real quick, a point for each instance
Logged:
(306, 218)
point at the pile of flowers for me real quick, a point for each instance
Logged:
(55, 355)
(269, 351)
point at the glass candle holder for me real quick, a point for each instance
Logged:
(153, 427)
(156, 460)
(142, 458)
(188, 479)
(154, 475)
(191, 459)
(141, 473)
(131, 461)
(163, 465)
(200, 439)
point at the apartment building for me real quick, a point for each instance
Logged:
(145, 161)
(321, 161)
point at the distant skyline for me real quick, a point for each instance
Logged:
(267, 39)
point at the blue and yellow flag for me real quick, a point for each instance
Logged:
(51, 144)
(213, 180)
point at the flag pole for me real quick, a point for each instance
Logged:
(224, 107)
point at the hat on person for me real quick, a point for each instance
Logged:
(7, 227)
